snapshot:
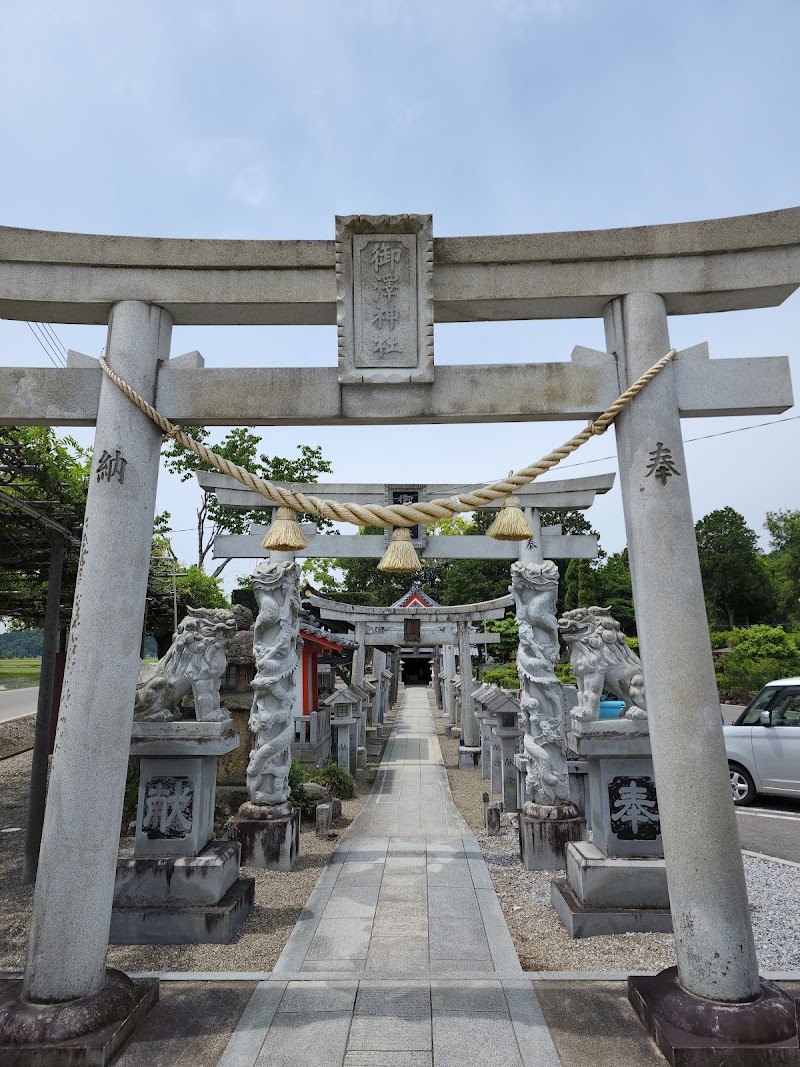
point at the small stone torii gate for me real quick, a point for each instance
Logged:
(384, 281)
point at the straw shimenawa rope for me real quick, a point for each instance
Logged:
(396, 514)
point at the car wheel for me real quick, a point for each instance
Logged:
(744, 790)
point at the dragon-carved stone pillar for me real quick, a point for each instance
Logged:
(269, 827)
(548, 819)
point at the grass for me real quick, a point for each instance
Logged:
(20, 668)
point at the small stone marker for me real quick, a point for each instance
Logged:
(493, 820)
(324, 820)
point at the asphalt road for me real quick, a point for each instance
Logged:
(771, 827)
(16, 702)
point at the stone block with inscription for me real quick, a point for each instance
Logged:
(616, 884)
(179, 886)
(384, 283)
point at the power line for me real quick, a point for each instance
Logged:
(50, 346)
(47, 351)
(688, 440)
(48, 327)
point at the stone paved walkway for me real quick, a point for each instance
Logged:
(401, 957)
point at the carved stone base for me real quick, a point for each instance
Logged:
(590, 920)
(88, 1032)
(269, 836)
(693, 1032)
(174, 881)
(544, 833)
(185, 924)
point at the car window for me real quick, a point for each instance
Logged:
(753, 713)
(787, 709)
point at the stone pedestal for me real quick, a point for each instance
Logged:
(544, 833)
(694, 1032)
(269, 835)
(618, 884)
(177, 886)
(508, 733)
(345, 742)
(486, 721)
(468, 757)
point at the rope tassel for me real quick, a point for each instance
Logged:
(400, 557)
(284, 534)
(510, 524)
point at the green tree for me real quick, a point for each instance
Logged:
(192, 589)
(614, 589)
(784, 563)
(506, 650)
(50, 474)
(241, 446)
(735, 579)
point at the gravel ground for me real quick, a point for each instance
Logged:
(542, 942)
(279, 896)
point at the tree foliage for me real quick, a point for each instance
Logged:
(735, 579)
(783, 564)
(241, 446)
(50, 474)
(192, 589)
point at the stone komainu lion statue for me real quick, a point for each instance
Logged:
(601, 660)
(194, 663)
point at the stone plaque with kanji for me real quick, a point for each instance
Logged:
(384, 269)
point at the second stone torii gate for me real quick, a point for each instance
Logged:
(563, 494)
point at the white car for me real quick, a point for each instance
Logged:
(763, 744)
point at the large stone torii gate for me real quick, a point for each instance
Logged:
(633, 278)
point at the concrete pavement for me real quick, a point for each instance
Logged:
(402, 955)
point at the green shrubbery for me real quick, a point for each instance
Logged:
(505, 676)
(338, 781)
(757, 655)
(565, 674)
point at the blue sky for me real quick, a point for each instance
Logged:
(265, 120)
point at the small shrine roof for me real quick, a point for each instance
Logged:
(415, 598)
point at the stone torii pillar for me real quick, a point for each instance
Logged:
(447, 689)
(78, 858)
(469, 724)
(705, 875)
